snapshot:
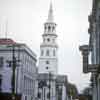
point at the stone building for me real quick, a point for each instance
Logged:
(93, 49)
(25, 71)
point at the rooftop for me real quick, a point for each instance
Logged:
(4, 41)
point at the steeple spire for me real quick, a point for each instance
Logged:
(48, 59)
(50, 14)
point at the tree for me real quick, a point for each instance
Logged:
(72, 90)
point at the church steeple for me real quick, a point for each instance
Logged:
(50, 14)
(48, 57)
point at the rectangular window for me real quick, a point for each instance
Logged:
(1, 61)
(47, 53)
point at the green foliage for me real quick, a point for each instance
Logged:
(72, 90)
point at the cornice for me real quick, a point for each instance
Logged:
(49, 45)
(49, 34)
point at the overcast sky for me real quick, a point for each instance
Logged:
(25, 24)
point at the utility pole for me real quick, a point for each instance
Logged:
(13, 71)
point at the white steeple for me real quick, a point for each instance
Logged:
(50, 14)
(48, 58)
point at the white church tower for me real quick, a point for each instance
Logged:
(48, 48)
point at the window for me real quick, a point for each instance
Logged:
(49, 28)
(47, 53)
(47, 62)
(48, 40)
(54, 53)
(1, 61)
(42, 52)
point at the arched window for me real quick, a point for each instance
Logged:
(47, 53)
(49, 28)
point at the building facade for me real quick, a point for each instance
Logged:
(93, 49)
(25, 71)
